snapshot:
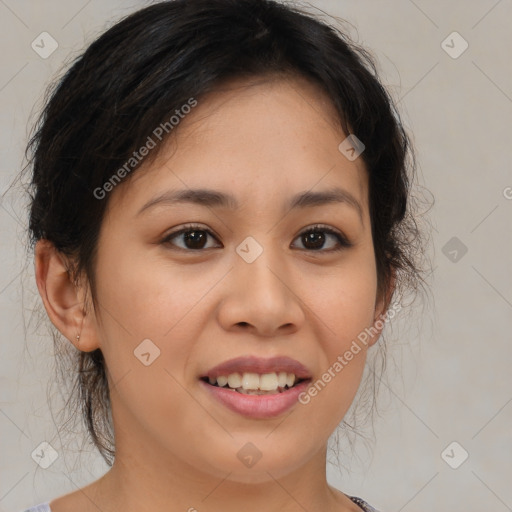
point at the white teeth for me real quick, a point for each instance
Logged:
(234, 380)
(281, 379)
(268, 382)
(250, 381)
(222, 380)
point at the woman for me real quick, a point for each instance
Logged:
(221, 223)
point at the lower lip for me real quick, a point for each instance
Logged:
(257, 406)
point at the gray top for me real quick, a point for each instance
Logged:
(45, 507)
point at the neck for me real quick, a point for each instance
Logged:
(139, 480)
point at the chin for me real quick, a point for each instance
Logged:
(253, 467)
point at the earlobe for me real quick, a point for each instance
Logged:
(61, 297)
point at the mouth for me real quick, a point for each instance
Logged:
(257, 388)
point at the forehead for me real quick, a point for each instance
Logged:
(253, 137)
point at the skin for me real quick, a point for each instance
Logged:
(176, 448)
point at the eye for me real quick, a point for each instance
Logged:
(194, 237)
(314, 238)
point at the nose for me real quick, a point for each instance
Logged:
(262, 297)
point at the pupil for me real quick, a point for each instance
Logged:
(310, 237)
(195, 237)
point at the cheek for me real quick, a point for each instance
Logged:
(142, 300)
(148, 323)
(343, 304)
(345, 317)
(148, 297)
(343, 300)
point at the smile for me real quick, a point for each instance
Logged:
(257, 387)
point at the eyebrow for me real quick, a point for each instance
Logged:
(214, 198)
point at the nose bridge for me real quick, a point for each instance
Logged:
(260, 263)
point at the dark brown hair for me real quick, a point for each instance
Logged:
(134, 77)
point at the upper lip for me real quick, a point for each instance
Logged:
(259, 365)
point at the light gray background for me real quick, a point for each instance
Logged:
(454, 380)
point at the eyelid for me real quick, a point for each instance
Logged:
(326, 228)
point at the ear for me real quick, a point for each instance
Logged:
(62, 299)
(381, 307)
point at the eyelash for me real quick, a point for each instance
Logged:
(342, 240)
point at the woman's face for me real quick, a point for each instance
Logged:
(244, 282)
